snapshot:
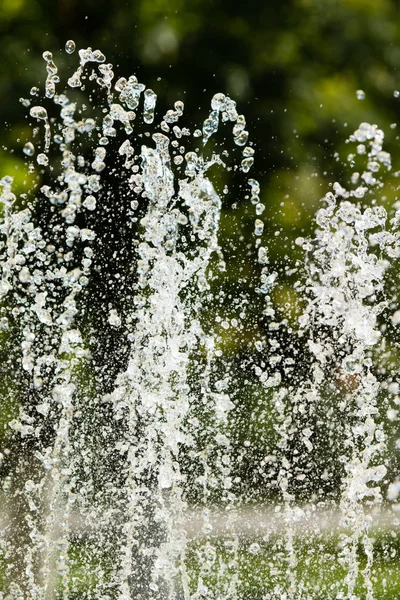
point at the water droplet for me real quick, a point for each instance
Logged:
(4, 324)
(360, 94)
(90, 203)
(218, 102)
(247, 164)
(70, 47)
(150, 99)
(48, 56)
(396, 318)
(114, 318)
(210, 125)
(38, 112)
(258, 227)
(29, 149)
(42, 159)
(241, 138)
(254, 548)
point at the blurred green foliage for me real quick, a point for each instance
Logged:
(293, 67)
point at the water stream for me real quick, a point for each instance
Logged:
(123, 462)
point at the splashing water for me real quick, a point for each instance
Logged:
(122, 470)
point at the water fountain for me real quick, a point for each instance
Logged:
(122, 471)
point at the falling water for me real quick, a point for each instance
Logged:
(122, 466)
